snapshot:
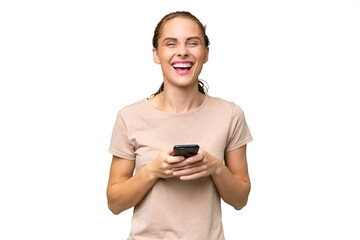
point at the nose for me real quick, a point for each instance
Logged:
(182, 51)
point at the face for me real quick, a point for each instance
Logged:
(181, 52)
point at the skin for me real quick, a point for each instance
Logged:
(180, 40)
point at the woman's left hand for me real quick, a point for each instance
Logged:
(201, 165)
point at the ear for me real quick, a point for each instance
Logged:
(207, 55)
(156, 56)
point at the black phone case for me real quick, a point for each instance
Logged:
(186, 150)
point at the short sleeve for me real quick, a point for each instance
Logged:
(120, 145)
(239, 133)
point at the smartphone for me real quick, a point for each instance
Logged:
(185, 150)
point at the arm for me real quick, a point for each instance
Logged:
(231, 180)
(125, 190)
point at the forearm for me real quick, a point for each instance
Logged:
(124, 195)
(232, 190)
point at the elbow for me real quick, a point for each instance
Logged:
(238, 208)
(113, 209)
(240, 205)
(114, 206)
(115, 212)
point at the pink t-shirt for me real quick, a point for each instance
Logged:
(175, 209)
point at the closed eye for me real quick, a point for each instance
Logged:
(193, 43)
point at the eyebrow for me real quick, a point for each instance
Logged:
(175, 39)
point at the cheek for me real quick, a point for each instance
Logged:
(166, 55)
(201, 55)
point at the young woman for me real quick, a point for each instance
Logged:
(174, 197)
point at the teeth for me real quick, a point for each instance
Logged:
(182, 65)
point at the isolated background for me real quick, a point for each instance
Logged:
(67, 67)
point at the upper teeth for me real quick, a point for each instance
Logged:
(182, 65)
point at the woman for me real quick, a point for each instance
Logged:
(174, 197)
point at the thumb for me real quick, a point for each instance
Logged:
(169, 151)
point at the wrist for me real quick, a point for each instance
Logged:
(150, 172)
(219, 167)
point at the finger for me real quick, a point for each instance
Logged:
(189, 171)
(178, 166)
(198, 157)
(168, 172)
(175, 159)
(193, 176)
(184, 165)
(169, 151)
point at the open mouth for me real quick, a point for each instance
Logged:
(182, 68)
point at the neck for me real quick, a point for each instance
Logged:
(176, 100)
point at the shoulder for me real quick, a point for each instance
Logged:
(224, 105)
(132, 109)
(225, 109)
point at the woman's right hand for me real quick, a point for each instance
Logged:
(162, 165)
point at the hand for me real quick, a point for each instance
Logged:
(163, 164)
(201, 165)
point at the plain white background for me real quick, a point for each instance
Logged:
(67, 67)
